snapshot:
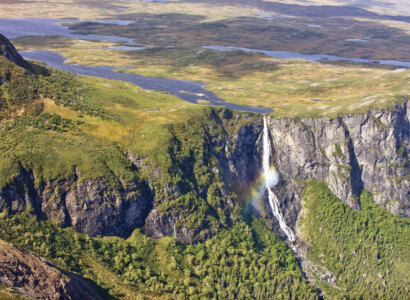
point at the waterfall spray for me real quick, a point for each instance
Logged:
(272, 179)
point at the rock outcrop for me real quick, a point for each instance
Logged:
(350, 153)
(35, 278)
(7, 50)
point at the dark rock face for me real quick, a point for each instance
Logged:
(92, 207)
(350, 153)
(98, 209)
(36, 278)
(7, 49)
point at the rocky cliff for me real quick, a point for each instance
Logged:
(95, 207)
(350, 153)
(213, 162)
(35, 278)
(207, 175)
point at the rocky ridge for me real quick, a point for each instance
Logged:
(7, 49)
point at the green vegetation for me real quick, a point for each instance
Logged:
(338, 151)
(366, 248)
(86, 125)
(18, 94)
(69, 138)
(22, 91)
(54, 148)
(244, 262)
(91, 124)
(68, 90)
(49, 145)
(7, 293)
(58, 126)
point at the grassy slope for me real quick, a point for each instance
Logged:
(7, 293)
(366, 248)
(88, 124)
(48, 144)
(18, 95)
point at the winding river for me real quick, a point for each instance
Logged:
(186, 90)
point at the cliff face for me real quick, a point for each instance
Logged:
(201, 198)
(90, 206)
(207, 179)
(349, 153)
(36, 278)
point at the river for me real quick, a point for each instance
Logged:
(186, 90)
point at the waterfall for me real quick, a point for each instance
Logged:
(272, 179)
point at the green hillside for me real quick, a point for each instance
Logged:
(141, 195)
